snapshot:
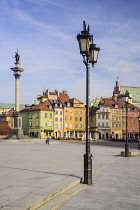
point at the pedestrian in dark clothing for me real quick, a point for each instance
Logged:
(47, 140)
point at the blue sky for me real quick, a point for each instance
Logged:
(44, 31)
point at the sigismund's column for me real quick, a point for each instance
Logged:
(17, 131)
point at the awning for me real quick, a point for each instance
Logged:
(47, 130)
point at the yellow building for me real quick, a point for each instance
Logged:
(116, 122)
(74, 119)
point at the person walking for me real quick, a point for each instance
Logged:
(48, 140)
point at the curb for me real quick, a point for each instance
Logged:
(53, 195)
(131, 153)
(61, 191)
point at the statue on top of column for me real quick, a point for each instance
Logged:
(17, 56)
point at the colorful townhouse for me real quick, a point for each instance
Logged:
(132, 123)
(115, 117)
(100, 121)
(74, 119)
(6, 122)
(38, 120)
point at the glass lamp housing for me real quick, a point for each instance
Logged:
(84, 42)
(93, 53)
(127, 97)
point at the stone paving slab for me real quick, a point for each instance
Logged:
(115, 187)
(32, 170)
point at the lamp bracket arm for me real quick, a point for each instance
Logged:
(84, 61)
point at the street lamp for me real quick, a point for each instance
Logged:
(139, 132)
(89, 52)
(127, 100)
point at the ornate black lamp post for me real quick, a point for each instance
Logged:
(89, 52)
(139, 132)
(127, 100)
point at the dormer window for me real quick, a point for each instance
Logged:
(124, 109)
(68, 104)
(56, 105)
(134, 108)
(116, 105)
(60, 105)
(50, 106)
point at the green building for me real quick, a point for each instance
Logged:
(38, 120)
(135, 91)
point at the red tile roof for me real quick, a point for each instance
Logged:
(110, 102)
(63, 97)
(43, 105)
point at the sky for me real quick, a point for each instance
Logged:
(45, 31)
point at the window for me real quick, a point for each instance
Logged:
(60, 118)
(56, 105)
(50, 123)
(107, 116)
(70, 117)
(116, 118)
(30, 116)
(103, 116)
(60, 105)
(56, 125)
(70, 111)
(117, 125)
(70, 125)
(76, 118)
(37, 115)
(106, 110)
(112, 117)
(113, 125)
(68, 104)
(66, 117)
(66, 125)
(80, 118)
(37, 124)
(76, 125)
(60, 112)
(60, 125)
(45, 123)
(46, 115)
(66, 110)
(56, 112)
(102, 124)
(50, 106)
(107, 124)
(81, 125)
(81, 112)
(50, 115)
(30, 123)
(98, 124)
(99, 116)
(76, 112)
(56, 118)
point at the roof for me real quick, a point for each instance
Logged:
(63, 97)
(111, 102)
(41, 106)
(8, 114)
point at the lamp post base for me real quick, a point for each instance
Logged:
(88, 169)
(126, 150)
